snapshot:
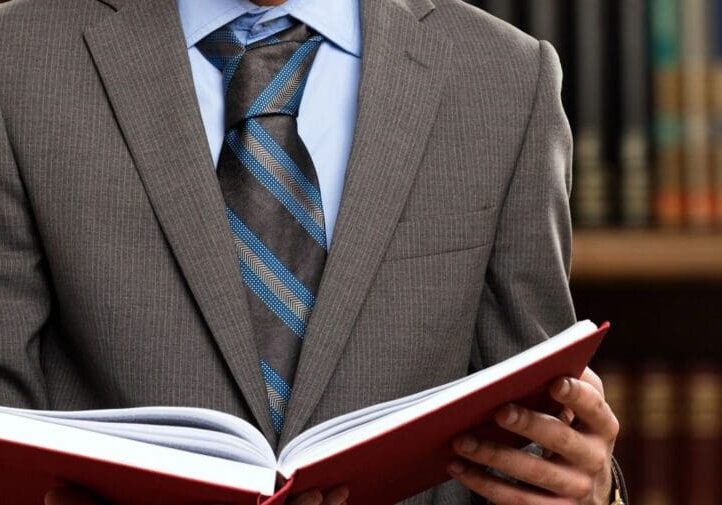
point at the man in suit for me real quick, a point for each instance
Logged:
(434, 162)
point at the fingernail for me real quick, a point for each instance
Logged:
(511, 415)
(343, 494)
(565, 388)
(68, 495)
(314, 498)
(456, 468)
(468, 444)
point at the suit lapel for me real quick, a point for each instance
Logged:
(401, 82)
(140, 54)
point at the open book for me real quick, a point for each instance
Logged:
(179, 455)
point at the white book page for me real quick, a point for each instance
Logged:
(347, 422)
(66, 439)
(199, 441)
(197, 430)
(330, 441)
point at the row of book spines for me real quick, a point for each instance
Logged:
(683, 185)
(688, 112)
(670, 442)
(688, 142)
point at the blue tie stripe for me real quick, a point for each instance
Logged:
(270, 260)
(226, 62)
(271, 164)
(294, 103)
(275, 304)
(221, 47)
(229, 71)
(284, 94)
(278, 82)
(277, 189)
(277, 382)
(272, 282)
(277, 420)
(280, 155)
(279, 394)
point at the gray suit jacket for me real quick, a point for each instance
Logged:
(119, 282)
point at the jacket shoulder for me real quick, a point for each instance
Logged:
(475, 24)
(484, 40)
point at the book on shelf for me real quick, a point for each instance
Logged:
(695, 66)
(715, 19)
(175, 455)
(670, 442)
(635, 179)
(658, 435)
(592, 181)
(665, 50)
(643, 93)
(702, 435)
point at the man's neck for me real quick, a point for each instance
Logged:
(267, 3)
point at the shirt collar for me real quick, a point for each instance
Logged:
(337, 20)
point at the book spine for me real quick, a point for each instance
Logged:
(634, 145)
(664, 32)
(703, 428)
(592, 206)
(657, 431)
(716, 106)
(696, 171)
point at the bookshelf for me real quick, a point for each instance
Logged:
(625, 255)
(661, 289)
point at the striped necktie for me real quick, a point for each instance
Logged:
(271, 191)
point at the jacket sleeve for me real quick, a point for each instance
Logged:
(24, 289)
(526, 296)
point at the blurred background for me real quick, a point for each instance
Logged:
(643, 91)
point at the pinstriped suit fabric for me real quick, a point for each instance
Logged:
(117, 288)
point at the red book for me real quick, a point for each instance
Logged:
(175, 455)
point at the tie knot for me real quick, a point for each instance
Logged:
(263, 78)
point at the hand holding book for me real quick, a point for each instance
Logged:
(580, 468)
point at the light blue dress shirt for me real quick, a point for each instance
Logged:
(327, 115)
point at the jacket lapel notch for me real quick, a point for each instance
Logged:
(401, 84)
(143, 63)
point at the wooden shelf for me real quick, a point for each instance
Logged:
(614, 255)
